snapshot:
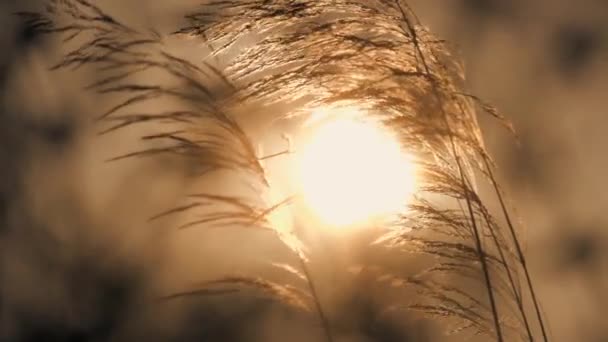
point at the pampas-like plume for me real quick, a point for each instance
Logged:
(373, 54)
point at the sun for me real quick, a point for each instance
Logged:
(353, 170)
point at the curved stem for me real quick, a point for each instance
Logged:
(517, 294)
(482, 256)
(518, 248)
(478, 242)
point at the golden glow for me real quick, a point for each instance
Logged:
(352, 171)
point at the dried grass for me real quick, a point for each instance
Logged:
(371, 53)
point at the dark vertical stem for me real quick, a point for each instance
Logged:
(478, 242)
(481, 253)
(520, 253)
(516, 293)
(313, 291)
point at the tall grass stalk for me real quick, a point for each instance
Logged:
(454, 150)
(316, 299)
(520, 253)
(306, 54)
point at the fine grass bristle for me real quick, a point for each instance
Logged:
(374, 54)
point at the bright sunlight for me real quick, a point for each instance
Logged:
(353, 170)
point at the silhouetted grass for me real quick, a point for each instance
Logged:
(373, 54)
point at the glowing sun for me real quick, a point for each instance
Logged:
(352, 171)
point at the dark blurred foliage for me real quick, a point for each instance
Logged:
(103, 295)
(104, 291)
(575, 47)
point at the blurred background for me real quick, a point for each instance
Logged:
(543, 63)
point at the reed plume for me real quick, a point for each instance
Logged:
(372, 54)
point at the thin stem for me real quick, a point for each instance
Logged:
(520, 253)
(478, 243)
(516, 293)
(274, 155)
(482, 256)
(313, 291)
